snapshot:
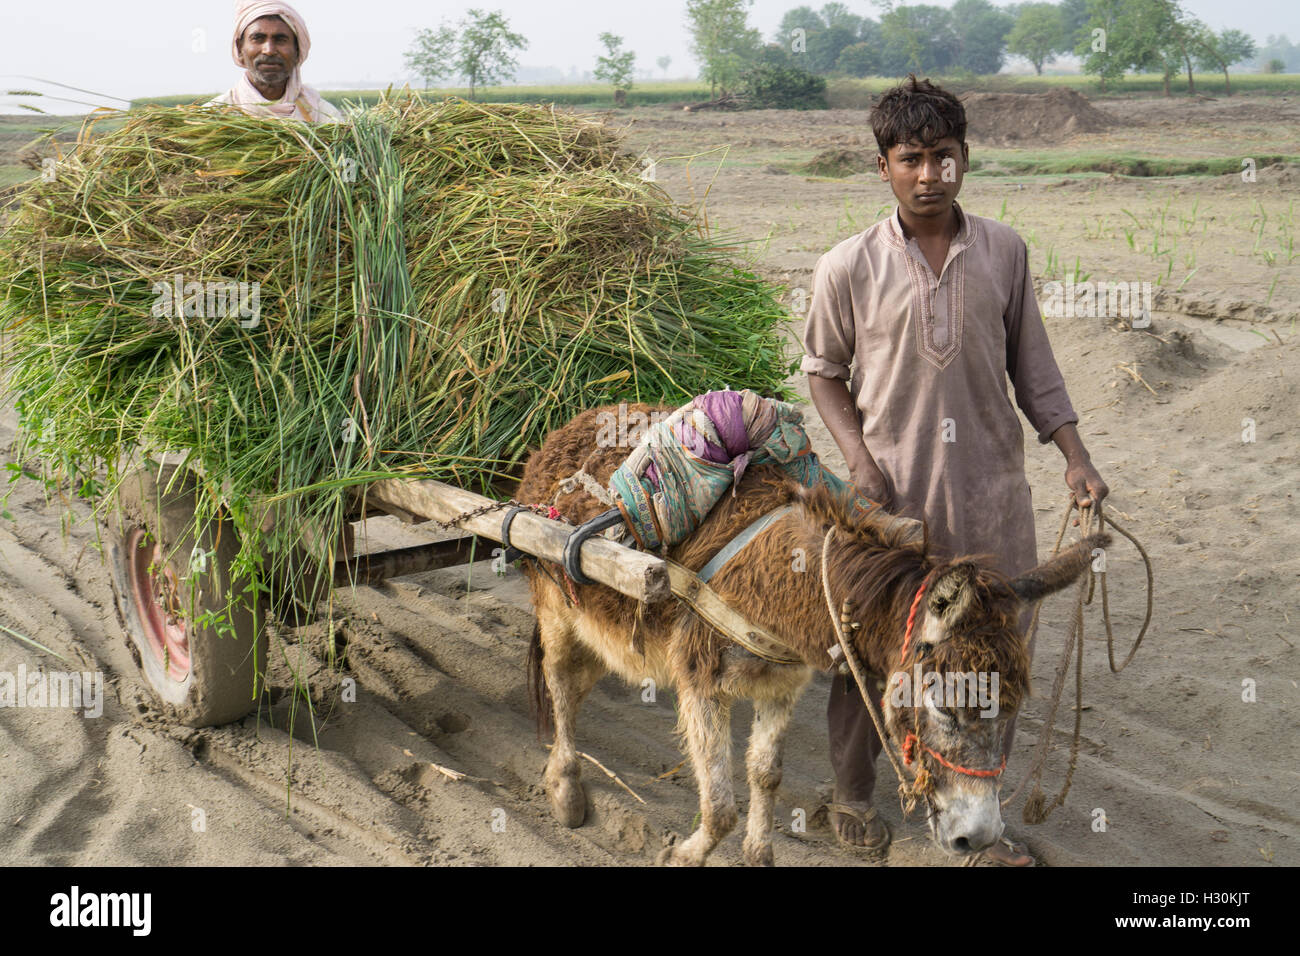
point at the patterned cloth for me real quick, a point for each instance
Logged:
(685, 463)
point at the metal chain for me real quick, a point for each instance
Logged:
(485, 509)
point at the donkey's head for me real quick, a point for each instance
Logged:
(962, 674)
(948, 639)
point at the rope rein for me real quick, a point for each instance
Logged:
(910, 787)
(907, 793)
(1037, 809)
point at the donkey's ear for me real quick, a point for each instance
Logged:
(1057, 573)
(948, 600)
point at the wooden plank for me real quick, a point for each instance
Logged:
(759, 641)
(634, 573)
(373, 568)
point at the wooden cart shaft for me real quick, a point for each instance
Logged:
(633, 573)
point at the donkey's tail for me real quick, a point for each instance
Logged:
(539, 695)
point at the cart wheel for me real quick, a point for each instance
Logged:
(164, 579)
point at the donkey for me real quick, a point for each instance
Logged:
(968, 621)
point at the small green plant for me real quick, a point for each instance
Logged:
(773, 87)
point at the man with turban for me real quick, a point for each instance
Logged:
(271, 42)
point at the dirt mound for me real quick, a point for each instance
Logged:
(840, 162)
(1286, 173)
(1015, 119)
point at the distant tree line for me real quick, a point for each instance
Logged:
(1113, 38)
(974, 37)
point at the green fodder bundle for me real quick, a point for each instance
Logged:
(424, 291)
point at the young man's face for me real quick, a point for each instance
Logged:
(925, 179)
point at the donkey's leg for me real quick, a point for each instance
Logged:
(766, 740)
(706, 726)
(571, 671)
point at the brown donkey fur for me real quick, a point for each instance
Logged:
(970, 624)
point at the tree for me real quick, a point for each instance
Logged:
(722, 40)
(663, 63)
(770, 86)
(982, 31)
(1279, 48)
(1275, 65)
(1152, 38)
(800, 18)
(776, 55)
(432, 55)
(1221, 50)
(860, 59)
(824, 47)
(917, 39)
(1039, 33)
(486, 42)
(1186, 39)
(1099, 41)
(478, 48)
(1074, 20)
(838, 15)
(616, 66)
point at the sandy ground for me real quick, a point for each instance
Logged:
(1183, 769)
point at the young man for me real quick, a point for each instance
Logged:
(915, 326)
(270, 43)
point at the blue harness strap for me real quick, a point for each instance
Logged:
(733, 547)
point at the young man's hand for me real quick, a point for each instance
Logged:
(869, 480)
(1081, 477)
(1085, 483)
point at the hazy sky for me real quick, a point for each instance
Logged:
(153, 47)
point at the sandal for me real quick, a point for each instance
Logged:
(876, 847)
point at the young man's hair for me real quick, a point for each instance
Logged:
(917, 111)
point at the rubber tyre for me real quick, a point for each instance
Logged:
(218, 685)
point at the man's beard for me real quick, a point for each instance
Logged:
(272, 74)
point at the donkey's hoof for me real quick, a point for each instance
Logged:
(759, 855)
(671, 856)
(675, 856)
(568, 802)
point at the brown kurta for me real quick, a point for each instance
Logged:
(927, 358)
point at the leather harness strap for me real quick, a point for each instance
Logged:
(734, 546)
(695, 591)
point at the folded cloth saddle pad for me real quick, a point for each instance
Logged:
(686, 463)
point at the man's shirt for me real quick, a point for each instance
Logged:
(299, 102)
(927, 360)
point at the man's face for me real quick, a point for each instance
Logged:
(269, 50)
(925, 179)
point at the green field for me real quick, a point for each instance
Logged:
(851, 93)
(842, 93)
(589, 94)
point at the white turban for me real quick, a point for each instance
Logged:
(247, 11)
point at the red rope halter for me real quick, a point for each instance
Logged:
(911, 740)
